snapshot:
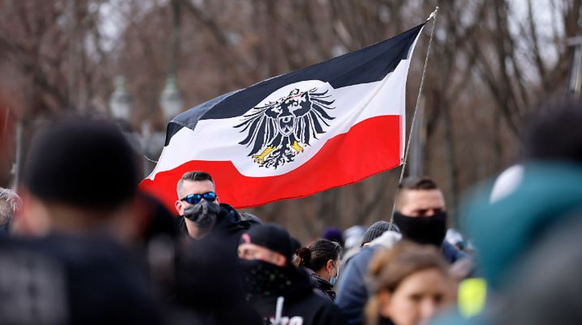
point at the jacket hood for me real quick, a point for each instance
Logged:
(229, 220)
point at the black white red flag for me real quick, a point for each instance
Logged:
(324, 126)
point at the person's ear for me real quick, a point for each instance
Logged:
(178, 206)
(384, 303)
(329, 265)
(32, 218)
(279, 260)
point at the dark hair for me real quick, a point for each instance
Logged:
(554, 132)
(418, 183)
(422, 183)
(195, 176)
(65, 149)
(316, 255)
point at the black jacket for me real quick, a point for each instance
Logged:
(207, 285)
(321, 286)
(228, 228)
(65, 279)
(300, 305)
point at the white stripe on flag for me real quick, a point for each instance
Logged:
(218, 140)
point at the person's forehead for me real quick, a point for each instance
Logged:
(254, 247)
(426, 280)
(424, 199)
(197, 187)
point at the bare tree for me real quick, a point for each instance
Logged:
(491, 61)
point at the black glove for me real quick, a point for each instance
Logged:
(202, 214)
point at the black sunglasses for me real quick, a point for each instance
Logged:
(196, 198)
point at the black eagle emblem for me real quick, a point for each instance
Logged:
(278, 131)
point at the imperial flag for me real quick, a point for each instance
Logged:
(327, 125)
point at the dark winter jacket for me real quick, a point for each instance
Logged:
(321, 286)
(352, 293)
(76, 280)
(300, 305)
(228, 228)
(212, 294)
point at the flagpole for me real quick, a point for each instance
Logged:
(432, 16)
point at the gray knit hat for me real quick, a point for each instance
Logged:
(375, 231)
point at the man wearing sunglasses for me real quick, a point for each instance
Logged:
(202, 213)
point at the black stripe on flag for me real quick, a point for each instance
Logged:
(367, 65)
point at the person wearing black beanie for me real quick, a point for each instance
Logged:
(279, 291)
(81, 162)
(78, 202)
(79, 174)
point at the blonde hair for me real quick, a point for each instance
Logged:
(389, 268)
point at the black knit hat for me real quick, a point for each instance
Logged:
(81, 162)
(376, 230)
(271, 236)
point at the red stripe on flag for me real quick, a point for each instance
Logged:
(370, 147)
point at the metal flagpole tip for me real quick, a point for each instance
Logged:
(433, 14)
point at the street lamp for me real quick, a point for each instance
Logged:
(171, 99)
(120, 101)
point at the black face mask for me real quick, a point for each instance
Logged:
(203, 214)
(423, 230)
(265, 279)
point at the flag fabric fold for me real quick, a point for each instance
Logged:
(327, 125)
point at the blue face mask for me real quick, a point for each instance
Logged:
(333, 280)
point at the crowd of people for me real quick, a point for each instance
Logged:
(80, 244)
